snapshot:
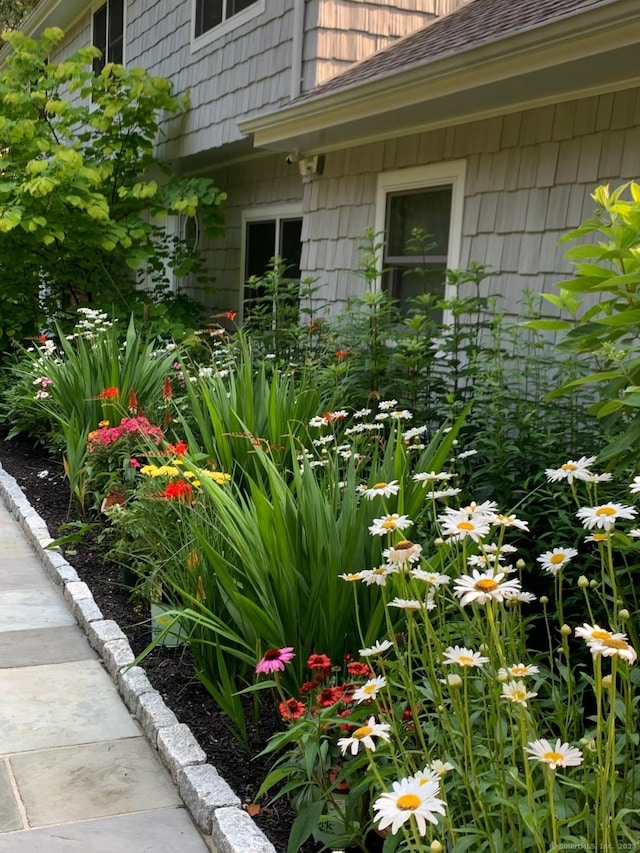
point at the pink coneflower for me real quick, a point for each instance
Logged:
(274, 660)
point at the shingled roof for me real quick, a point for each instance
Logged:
(481, 22)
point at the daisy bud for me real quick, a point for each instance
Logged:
(438, 542)
(624, 614)
(440, 709)
(566, 631)
(607, 681)
(544, 600)
(436, 846)
(520, 564)
(454, 680)
(503, 676)
(593, 584)
(484, 648)
(583, 582)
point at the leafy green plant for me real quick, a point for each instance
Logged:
(81, 217)
(607, 268)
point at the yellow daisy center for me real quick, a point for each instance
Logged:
(614, 643)
(486, 585)
(519, 670)
(380, 571)
(403, 545)
(369, 689)
(352, 576)
(557, 558)
(363, 731)
(519, 695)
(466, 660)
(568, 466)
(606, 510)
(408, 802)
(599, 537)
(553, 757)
(389, 524)
(380, 485)
(601, 635)
(466, 525)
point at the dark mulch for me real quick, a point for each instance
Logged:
(169, 670)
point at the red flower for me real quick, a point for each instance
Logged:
(109, 394)
(134, 462)
(319, 662)
(329, 696)
(342, 353)
(230, 315)
(291, 709)
(178, 491)
(167, 392)
(357, 668)
(178, 449)
(132, 405)
(306, 687)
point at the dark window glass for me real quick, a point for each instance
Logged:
(115, 52)
(264, 241)
(100, 38)
(210, 13)
(108, 34)
(411, 268)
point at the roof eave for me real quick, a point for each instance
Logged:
(315, 124)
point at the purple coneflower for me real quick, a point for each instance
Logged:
(274, 659)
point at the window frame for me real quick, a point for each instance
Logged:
(261, 214)
(451, 173)
(226, 26)
(96, 6)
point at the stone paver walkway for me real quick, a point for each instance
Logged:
(76, 772)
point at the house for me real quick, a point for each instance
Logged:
(488, 122)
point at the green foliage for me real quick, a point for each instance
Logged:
(12, 12)
(83, 198)
(607, 269)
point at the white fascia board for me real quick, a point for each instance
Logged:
(614, 25)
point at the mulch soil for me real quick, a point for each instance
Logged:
(169, 669)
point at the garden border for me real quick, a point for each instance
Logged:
(213, 805)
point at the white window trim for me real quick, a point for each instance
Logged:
(260, 214)
(98, 4)
(198, 42)
(453, 173)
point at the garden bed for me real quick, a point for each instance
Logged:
(169, 669)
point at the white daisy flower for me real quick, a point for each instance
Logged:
(635, 533)
(482, 587)
(361, 413)
(440, 494)
(414, 432)
(381, 416)
(596, 537)
(408, 799)
(389, 523)
(466, 453)
(463, 657)
(401, 415)
(378, 648)
(425, 477)
(370, 689)
(516, 692)
(604, 516)
(402, 552)
(553, 561)
(518, 670)
(502, 520)
(571, 470)
(425, 776)
(440, 767)
(351, 576)
(494, 548)
(484, 560)
(519, 597)
(377, 576)
(364, 736)
(387, 405)
(434, 578)
(457, 529)
(560, 755)
(317, 421)
(597, 478)
(409, 604)
(605, 643)
(385, 490)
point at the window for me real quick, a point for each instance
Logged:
(267, 237)
(108, 34)
(428, 201)
(210, 14)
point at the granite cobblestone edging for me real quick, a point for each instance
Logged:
(213, 805)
